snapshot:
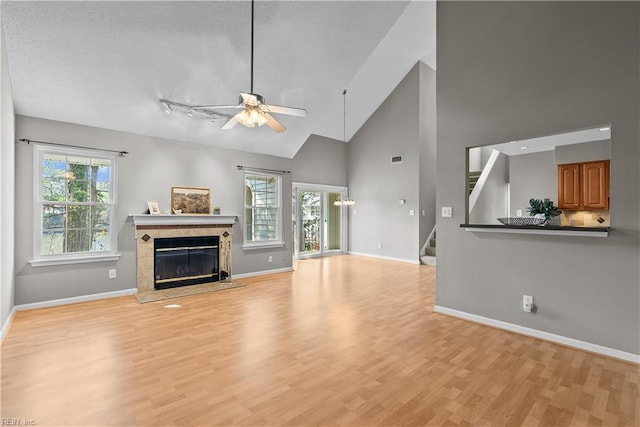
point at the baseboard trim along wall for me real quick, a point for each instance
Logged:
(262, 273)
(388, 258)
(75, 300)
(559, 339)
(7, 324)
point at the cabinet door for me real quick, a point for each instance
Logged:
(569, 186)
(595, 187)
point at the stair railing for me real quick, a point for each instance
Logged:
(423, 251)
(473, 197)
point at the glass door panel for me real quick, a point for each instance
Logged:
(309, 222)
(332, 232)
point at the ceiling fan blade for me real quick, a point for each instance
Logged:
(217, 107)
(273, 123)
(300, 112)
(210, 114)
(249, 99)
(230, 123)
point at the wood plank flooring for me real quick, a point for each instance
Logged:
(341, 341)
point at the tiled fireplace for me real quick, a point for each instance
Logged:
(182, 250)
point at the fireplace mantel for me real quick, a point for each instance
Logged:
(147, 219)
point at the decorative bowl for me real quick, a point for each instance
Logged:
(522, 220)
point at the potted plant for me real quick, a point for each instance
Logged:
(216, 210)
(540, 208)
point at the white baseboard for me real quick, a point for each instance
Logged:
(410, 261)
(569, 342)
(7, 324)
(75, 300)
(262, 273)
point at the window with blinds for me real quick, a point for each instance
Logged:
(262, 209)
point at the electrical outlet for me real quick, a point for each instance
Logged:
(112, 273)
(379, 245)
(527, 303)
(447, 212)
(424, 213)
(518, 212)
(412, 212)
(270, 258)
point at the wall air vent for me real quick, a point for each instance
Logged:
(396, 159)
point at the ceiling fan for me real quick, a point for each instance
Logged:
(255, 111)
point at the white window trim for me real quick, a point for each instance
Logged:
(249, 246)
(263, 244)
(72, 258)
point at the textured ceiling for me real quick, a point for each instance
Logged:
(105, 64)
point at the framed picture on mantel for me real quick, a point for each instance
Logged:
(154, 209)
(191, 200)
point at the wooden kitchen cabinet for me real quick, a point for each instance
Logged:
(569, 186)
(584, 185)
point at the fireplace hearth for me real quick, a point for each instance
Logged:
(183, 261)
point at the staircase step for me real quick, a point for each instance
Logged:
(428, 260)
(430, 251)
(432, 243)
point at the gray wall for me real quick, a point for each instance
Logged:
(7, 190)
(515, 70)
(321, 160)
(427, 172)
(532, 176)
(376, 185)
(147, 173)
(585, 152)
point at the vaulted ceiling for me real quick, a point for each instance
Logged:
(106, 64)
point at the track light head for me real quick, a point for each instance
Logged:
(167, 107)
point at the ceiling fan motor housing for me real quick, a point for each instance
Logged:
(259, 99)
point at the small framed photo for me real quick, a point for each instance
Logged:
(191, 200)
(154, 209)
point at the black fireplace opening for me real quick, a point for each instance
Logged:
(184, 261)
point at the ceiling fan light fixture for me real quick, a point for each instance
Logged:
(251, 117)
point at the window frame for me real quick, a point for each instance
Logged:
(262, 244)
(39, 259)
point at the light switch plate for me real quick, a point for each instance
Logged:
(447, 212)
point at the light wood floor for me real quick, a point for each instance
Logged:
(341, 341)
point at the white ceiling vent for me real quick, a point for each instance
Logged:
(396, 159)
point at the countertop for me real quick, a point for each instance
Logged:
(539, 229)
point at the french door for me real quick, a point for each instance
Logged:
(319, 226)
